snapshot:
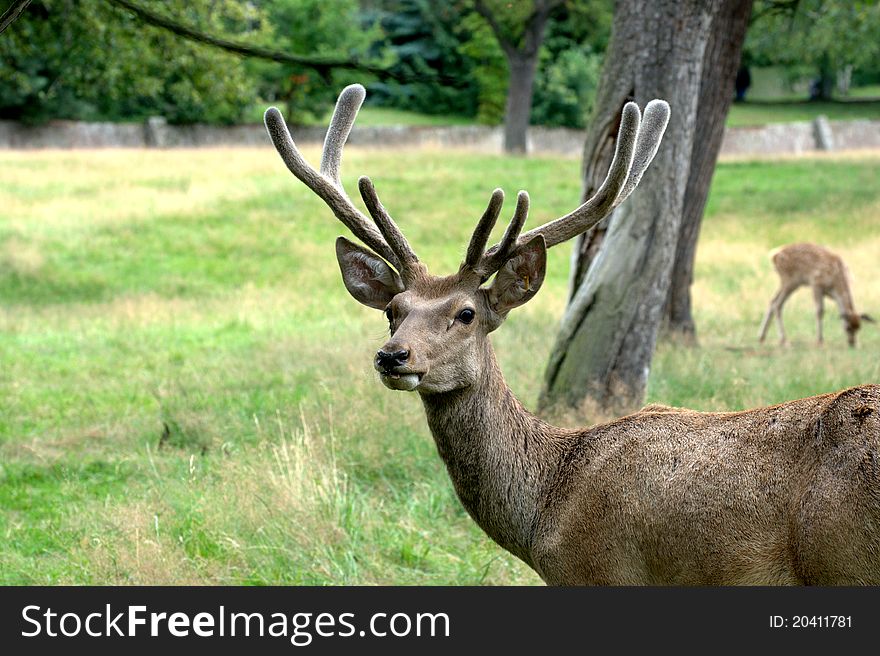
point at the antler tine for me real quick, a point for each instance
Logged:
(483, 229)
(386, 225)
(347, 107)
(637, 143)
(654, 122)
(496, 256)
(602, 202)
(327, 188)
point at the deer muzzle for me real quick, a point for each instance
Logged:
(393, 371)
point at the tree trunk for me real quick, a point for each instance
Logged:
(522, 60)
(720, 64)
(827, 77)
(603, 352)
(519, 100)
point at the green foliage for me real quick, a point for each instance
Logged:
(511, 18)
(318, 28)
(490, 69)
(565, 87)
(451, 39)
(425, 38)
(817, 36)
(571, 63)
(89, 59)
(86, 59)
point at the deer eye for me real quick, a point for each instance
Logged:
(466, 316)
(390, 316)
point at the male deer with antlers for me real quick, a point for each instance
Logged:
(788, 494)
(826, 274)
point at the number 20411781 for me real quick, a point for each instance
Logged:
(811, 622)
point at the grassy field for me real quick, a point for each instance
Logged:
(764, 112)
(865, 105)
(759, 112)
(186, 393)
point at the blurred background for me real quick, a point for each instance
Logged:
(186, 389)
(439, 63)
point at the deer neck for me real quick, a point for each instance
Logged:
(499, 456)
(843, 298)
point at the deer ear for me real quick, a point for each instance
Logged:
(868, 318)
(367, 276)
(521, 276)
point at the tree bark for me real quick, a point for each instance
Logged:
(827, 78)
(603, 352)
(720, 64)
(519, 101)
(12, 13)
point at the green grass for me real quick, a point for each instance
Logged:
(759, 112)
(871, 91)
(369, 116)
(764, 112)
(186, 387)
(864, 103)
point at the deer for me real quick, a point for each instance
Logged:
(826, 274)
(781, 495)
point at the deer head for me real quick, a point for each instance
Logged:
(852, 322)
(439, 325)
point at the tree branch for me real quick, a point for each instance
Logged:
(771, 7)
(532, 29)
(321, 65)
(14, 11)
(497, 30)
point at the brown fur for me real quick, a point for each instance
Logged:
(788, 494)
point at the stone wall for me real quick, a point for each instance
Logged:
(782, 138)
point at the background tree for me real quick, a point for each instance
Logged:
(519, 29)
(426, 38)
(452, 39)
(720, 64)
(816, 38)
(423, 56)
(603, 353)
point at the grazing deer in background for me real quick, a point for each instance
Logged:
(788, 494)
(826, 274)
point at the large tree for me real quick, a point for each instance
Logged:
(720, 64)
(622, 271)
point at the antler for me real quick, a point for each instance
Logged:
(387, 241)
(637, 142)
(392, 234)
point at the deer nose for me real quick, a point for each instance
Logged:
(389, 361)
